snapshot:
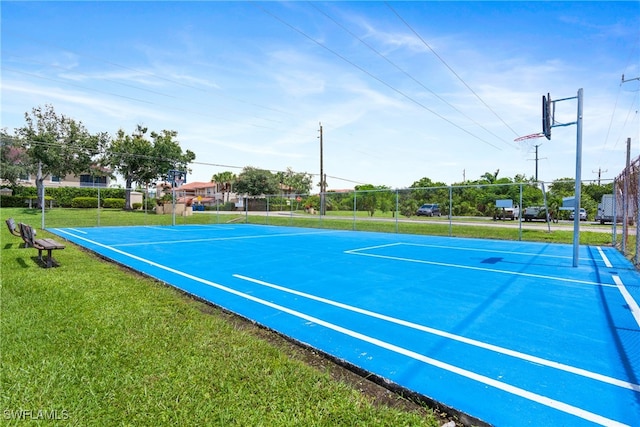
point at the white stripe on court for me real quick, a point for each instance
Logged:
(216, 239)
(490, 270)
(607, 263)
(543, 400)
(460, 248)
(77, 231)
(475, 343)
(633, 305)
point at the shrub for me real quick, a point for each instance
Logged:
(113, 203)
(137, 206)
(12, 201)
(84, 202)
(228, 206)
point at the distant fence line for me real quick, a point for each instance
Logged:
(395, 206)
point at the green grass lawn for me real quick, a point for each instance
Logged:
(93, 344)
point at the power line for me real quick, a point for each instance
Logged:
(406, 73)
(398, 91)
(450, 69)
(144, 156)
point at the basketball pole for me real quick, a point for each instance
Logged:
(548, 122)
(576, 208)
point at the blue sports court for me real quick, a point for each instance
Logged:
(505, 332)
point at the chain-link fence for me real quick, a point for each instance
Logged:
(511, 211)
(626, 210)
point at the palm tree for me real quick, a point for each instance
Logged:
(491, 178)
(225, 181)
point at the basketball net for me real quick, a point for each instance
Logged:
(529, 141)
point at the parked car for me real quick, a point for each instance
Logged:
(535, 212)
(429, 209)
(583, 214)
(507, 213)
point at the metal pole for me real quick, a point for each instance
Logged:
(576, 212)
(625, 198)
(321, 175)
(637, 257)
(355, 201)
(397, 213)
(450, 211)
(98, 206)
(546, 208)
(42, 207)
(614, 214)
(520, 215)
(173, 205)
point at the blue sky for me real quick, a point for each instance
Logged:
(403, 90)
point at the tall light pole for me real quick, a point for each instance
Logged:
(322, 189)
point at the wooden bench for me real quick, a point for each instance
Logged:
(28, 235)
(13, 227)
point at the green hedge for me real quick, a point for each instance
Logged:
(85, 202)
(64, 196)
(21, 201)
(113, 203)
(12, 201)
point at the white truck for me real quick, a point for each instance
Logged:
(606, 208)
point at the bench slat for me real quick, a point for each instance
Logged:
(28, 235)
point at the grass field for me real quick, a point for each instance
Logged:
(460, 227)
(90, 343)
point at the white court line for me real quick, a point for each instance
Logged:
(607, 263)
(77, 231)
(214, 239)
(458, 248)
(631, 303)
(490, 270)
(438, 332)
(543, 400)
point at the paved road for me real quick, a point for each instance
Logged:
(470, 221)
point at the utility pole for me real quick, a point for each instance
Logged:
(536, 159)
(599, 172)
(322, 189)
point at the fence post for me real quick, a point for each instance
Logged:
(520, 215)
(98, 206)
(397, 210)
(355, 198)
(450, 211)
(42, 207)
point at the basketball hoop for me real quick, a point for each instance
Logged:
(176, 178)
(529, 141)
(526, 137)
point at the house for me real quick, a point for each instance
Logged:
(83, 180)
(204, 193)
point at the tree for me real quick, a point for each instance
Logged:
(489, 177)
(296, 182)
(255, 182)
(225, 181)
(142, 161)
(427, 191)
(366, 199)
(13, 158)
(57, 145)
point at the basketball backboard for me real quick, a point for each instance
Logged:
(547, 120)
